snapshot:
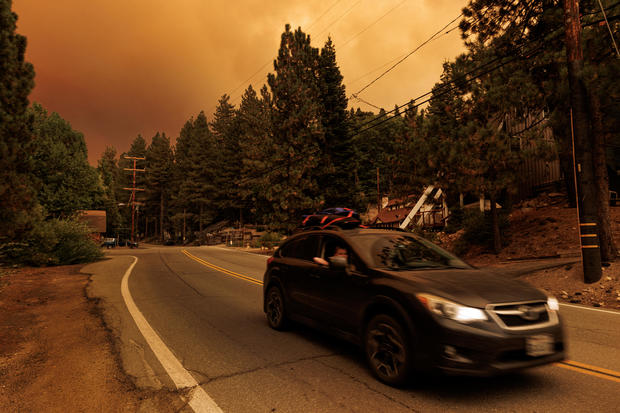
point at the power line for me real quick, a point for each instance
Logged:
(289, 162)
(406, 56)
(366, 102)
(553, 34)
(269, 61)
(445, 86)
(323, 14)
(441, 90)
(394, 60)
(340, 17)
(372, 24)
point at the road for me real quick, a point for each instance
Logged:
(204, 304)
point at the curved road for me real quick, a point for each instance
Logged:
(205, 305)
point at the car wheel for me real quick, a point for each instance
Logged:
(275, 309)
(388, 350)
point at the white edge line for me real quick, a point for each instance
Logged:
(591, 309)
(200, 401)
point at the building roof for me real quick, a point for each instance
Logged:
(396, 215)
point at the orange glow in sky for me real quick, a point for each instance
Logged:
(115, 69)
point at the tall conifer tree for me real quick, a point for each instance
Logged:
(337, 179)
(159, 161)
(298, 129)
(226, 133)
(17, 195)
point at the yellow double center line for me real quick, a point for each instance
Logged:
(223, 270)
(567, 364)
(590, 370)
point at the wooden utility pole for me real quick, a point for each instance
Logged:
(378, 193)
(133, 190)
(582, 148)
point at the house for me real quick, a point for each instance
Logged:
(95, 220)
(428, 210)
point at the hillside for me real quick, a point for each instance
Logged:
(546, 227)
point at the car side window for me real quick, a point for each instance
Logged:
(333, 246)
(302, 248)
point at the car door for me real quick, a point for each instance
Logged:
(297, 266)
(337, 295)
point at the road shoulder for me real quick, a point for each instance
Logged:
(56, 353)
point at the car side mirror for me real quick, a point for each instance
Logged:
(338, 263)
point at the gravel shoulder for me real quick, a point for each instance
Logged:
(56, 354)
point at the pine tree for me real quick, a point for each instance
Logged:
(109, 174)
(337, 179)
(225, 130)
(255, 143)
(298, 130)
(195, 170)
(159, 163)
(539, 26)
(17, 193)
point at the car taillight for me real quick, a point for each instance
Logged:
(269, 260)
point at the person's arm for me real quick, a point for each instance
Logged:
(321, 261)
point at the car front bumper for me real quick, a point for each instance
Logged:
(463, 350)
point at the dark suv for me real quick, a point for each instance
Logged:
(409, 304)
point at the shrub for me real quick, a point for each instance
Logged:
(478, 230)
(52, 242)
(455, 221)
(268, 240)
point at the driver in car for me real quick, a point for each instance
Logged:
(338, 252)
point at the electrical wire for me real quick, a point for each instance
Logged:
(339, 18)
(372, 24)
(407, 55)
(443, 90)
(435, 94)
(269, 61)
(289, 162)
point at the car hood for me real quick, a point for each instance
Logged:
(474, 288)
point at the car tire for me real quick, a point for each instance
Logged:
(388, 349)
(275, 308)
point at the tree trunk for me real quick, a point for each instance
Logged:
(497, 240)
(609, 251)
(161, 217)
(200, 219)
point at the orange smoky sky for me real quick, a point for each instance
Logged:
(115, 69)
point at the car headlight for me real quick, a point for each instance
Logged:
(553, 304)
(449, 309)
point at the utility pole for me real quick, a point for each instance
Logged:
(580, 128)
(378, 193)
(133, 190)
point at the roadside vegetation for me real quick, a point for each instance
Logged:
(298, 144)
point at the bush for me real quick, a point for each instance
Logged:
(268, 240)
(455, 221)
(478, 230)
(52, 242)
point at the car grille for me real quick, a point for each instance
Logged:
(522, 315)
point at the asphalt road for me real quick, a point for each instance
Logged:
(206, 307)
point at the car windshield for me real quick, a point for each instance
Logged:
(405, 252)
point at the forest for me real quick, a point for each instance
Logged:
(299, 144)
